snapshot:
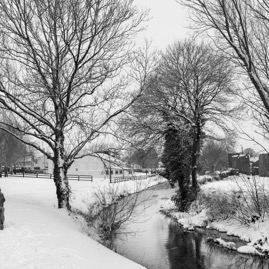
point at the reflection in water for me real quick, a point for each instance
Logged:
(183, 251)
(190, 250)
(161, 244)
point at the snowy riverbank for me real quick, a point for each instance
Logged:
(255, 232)
(39, 235)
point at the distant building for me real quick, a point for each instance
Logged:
(41, 163)
(26, 162)
(104, 166)
(254, 164)
(239, 161)
(264, 165)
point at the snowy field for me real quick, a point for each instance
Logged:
(255, 234)
(38, 235)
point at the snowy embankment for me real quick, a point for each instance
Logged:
(254, 232)
(39, 235)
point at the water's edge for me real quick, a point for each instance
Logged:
(159, 242)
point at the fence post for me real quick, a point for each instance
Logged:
(78, 177)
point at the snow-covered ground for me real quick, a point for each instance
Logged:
(38, 235)
(256, 234)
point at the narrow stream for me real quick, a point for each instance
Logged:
(156, 242)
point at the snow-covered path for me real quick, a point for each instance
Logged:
(38, 235)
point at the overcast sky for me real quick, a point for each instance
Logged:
(168, 22)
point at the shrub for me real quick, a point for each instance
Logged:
(219, 205)
(247, 204)
(253, 200)
(111, 210)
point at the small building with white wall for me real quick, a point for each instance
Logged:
(101, 166)
(41, 163)
(26, 162)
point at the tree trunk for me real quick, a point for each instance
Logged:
(195, 156)
(60, 176)
(194, 172)
(183, 184)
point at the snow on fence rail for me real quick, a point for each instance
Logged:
(127, 178)
(50, 176)
(80, 177)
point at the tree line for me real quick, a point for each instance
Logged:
(71, 77)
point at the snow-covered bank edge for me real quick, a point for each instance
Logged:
(188, 223)
(111, 191)
(38, 235)
(255, 235)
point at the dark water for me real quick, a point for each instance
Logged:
(159, 243)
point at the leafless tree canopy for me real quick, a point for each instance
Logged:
(192, 87)
(192, 84)
(57, 57)
(240, 29)
(214, 154)
(64, 70)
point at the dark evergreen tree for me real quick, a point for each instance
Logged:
(177, 161)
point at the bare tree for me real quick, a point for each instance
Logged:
(214, 155)
(240, 29)
(191, 90)
(113, 208)
(64, 65)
